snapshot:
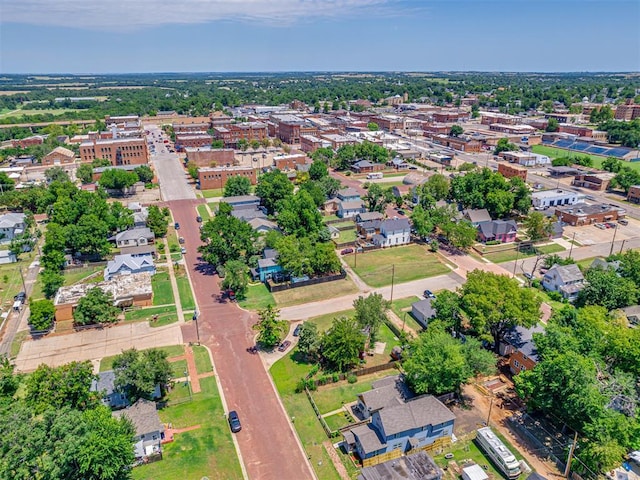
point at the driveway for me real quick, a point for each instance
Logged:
(93, 344)
(268, 444)
(171, 176)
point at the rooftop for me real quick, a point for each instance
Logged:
(122, 287)
(583, 209)
(416, 413)
(143, 415)
(418, 466)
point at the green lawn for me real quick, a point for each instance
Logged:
(402, 308)
(286, 373)
(511, 254)
(389, 338)
(203, 211)
(161, 285)
(552, 152)
(346, 236)
(186, 295)
(166, 315)
(178, 368)
(329, 218)
(331, 397)
(345, 224)
(550, 248)
(324, 321)
(216, 192)
(586, 262)
(258, 296)
(314, 293)
(203, 362)
(544, 297)
(171, 351)
(411, 262)
(16, 114)
(17, 342)
(206, 451)
(76, 275)
(338, 420)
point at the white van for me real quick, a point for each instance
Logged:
(374, 175)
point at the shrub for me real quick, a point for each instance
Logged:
(535, 283)
(352, 378)
(174, 248)
(335, 377)
(493, 242)
(160, 247)
(555, 296)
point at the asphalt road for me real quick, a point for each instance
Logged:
(171, 175)
(268, 444)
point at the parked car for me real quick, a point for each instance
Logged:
(623, 221)
(234, 421)
(183, 250)
(20, 297)
(176, 226)
(198, 219)
(296, 331)
(428, 294)
(346, 251)
(600, 226)
(413, 167)
(284, 345)
(611, 224)
(528, 275)
(400, 212)
(181, 240)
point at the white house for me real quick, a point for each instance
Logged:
(393, 232)
(566, 279)
(6, 256)
(554, 198)
(11, 225)
(351, 208)
(128, 264)
(140, 214)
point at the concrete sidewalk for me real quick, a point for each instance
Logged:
(95, 344)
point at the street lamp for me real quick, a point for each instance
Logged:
(195, 319)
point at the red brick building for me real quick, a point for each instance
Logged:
(231, 134)
(388, 122)
(289, 162)
(216, 177)
(184, 140)
(450, 116)
(458, 143)
(489, 118)
(593, 181)
(575, 130)
(122, 151)
(59, 156)
(508, 170)
(628, 111)
(208, 157)
(583, 214)
(634, 194)
(27, 142)
(310, 143)
(190, 127)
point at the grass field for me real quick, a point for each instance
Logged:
(512, 254)
(206, 451)
(258, 296)
(411, 262)
(331, 397)
(314, 293)
(346, 236)
(552, 152)
(166, 315)
(216, 192)
(402, 308)
(184, 289)
(53, 111)
(161, 285)
(338, 420)
(203, 362)
(172, 351)
(329, 218)
(324, 321)
(203, 211)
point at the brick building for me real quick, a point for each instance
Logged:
(575, 130)
(439, 128)
(216, 177)
(190, 127)
(388, 122)
(634, 194)
(489, 118)
(208, 157)
(231, 134)
(310, 143)
(338, 141)
(290, 162)
(59, 156)
(628, 111)
(184, 140)
(593, 181)
(122, 151)
(450, 116)
(509, 171)
(126, 123)
(512, 129)
(583, 214)
(288, 128)
(458, 143)
(28, 142)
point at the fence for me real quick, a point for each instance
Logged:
(279, 287)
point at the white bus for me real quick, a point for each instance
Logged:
(371, 176)
(501, 455)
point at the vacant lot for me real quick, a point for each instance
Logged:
(314, 293)
(411, 262)
(171, 351)
(165, 315)
(258, 296)
(216, 192)
(161, 285)
(509, 255)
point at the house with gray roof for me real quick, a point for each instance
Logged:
(140, 214)
(393, 232)
(149, 430)
(369, 216)
(262, 225)
(248, 212)
(105, 385)
(477, 216)
(423, 311)
(503, 231)
(519, 346)
(6, 256)
(351, 208)
(242, 201)
(127, 264)
(633, 315)
(348, 194)
(11, 225)
(566, 279)
(402, 427)
(136, 241)
(385, 392)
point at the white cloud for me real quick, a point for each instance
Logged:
(134, 14)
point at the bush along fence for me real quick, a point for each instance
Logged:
(279, 287)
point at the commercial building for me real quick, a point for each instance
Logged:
(184, 140)
(463, 144)
(508, 170)
(210, 157)
(338, 141)
(290, 162)
(583, 214)
(310, 143)
(512, 129)
(489, 118)
(628, 111)
(28, 142)
(288, 128)
(450, 116)
(216, 177)
(231, 134)
(593, 181)
(634, 194)
(389, 123)
(190, 127)
(59, 156)
(119, 151)
(552, 198)
(130, 123)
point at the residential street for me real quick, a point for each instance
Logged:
(266, 433)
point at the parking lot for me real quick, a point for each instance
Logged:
(592, 235)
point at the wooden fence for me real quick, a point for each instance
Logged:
(279, 287)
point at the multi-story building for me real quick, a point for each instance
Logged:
(463, 144)
(389, 123)
(231, 134)
(583, 214)
(634, 194)
(512, 129)
(288, 128)
(310, 143)
(489, 118)
(190, 127)
(628, 111)
(120, 151)
(289, 162)
(450, 116)
(338, 141)
(210, 157)
(128, 123)
(594, 181)
(216, 177)
(509, 171)
(575, 130)
(59, 156)
(184, 140)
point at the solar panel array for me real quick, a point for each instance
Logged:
(618, 152)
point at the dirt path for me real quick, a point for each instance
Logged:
(499, 422)
(342, 471)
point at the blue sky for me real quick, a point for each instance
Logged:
(114, 36)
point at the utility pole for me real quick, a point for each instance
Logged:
(515, 265)
(24, 286)
(355, 258)
(615, 230)
(571, 247)
(622, 246)
(571, 450)
(393, 273)
(489, 415)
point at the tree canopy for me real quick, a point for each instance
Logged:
(137, 373)
(273, 187)
(237, 185)
(342, 343)
(95, 307)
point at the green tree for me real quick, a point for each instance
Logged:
(447, 308)
(324, 154)
(309, 340)
(504, 145)
(373, 127)
(42, 313)
(552, 125)
(68, 385)
(298, 215)
(606, 288)
(456, 131)
(538, 226)
(9, 382)
(100, 162)
(377, 197)
(56, 174)
(273, 187)
(192, 170)
(423, 222)
(119, 218)
(158, 220)
(318, 170)
(227, 238)
(236, 278)
(237, 185)
(89, 236)
(371, 312)
(630, 266)
(625, 179)
(324, 259)
(95, 307)
(217, 144)
(437, 186)
(85, 173)
(52, 280)
(341, 345)
(461, 235)
(271, 330)
(495, 304)
(611, 164)
(7, 183)
(499, 203)
(116, 179)
(144, 173)
(137, 373)
(345, 156)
